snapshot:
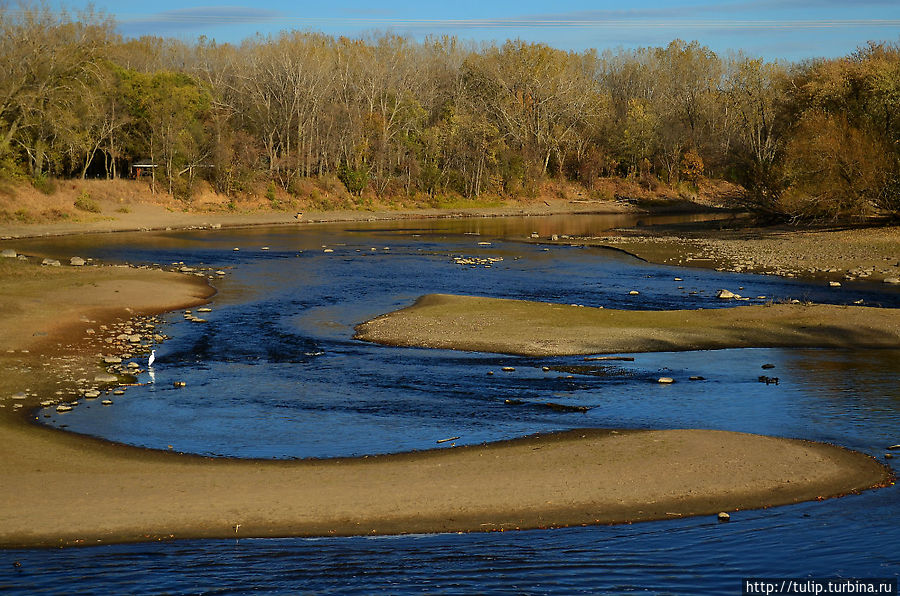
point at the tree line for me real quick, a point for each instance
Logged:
(389, 116)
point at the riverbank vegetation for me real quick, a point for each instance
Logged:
(342, 122)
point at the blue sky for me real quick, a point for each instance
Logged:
(790, 29)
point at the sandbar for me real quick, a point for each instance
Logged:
(543, 329)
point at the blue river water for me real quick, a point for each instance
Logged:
(275, 373)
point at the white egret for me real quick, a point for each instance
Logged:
(152, 358)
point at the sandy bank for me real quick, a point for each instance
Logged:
(150, 216)
(543, 329)
(61, 489)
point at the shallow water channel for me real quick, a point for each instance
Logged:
(275, 373)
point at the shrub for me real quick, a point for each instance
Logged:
(355, 180)
(44, 184)
(84, 202)
(270, 194)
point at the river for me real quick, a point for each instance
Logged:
(275, 373)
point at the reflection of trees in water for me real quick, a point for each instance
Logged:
(870, 376)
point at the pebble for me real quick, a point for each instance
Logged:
(726, 294)
(508, 369)
(107, 402)
(723, 517)
(665, 380)
(91, 394)
(767, 366)
(179, 384)
(61, 408)
(76, 262)
(633, 293)
(8, 253)
(697, 378)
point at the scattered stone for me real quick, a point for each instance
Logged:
(76, 262)
(697, 378)
(8, 253)
(107, 402)
(91, 394)
(665, 380)
(894, 447)
(119, 392)
(892, 280)
(62, 408)
(726, 295)
(106, 379)
(50, 262)
(888, 456)
(834, 284)
(768, 366)
(633, 293)
(508, 369)
(328, 250)
(204, 309)
(490, 372)
(112, 360)
(723, 517)
(264, 248)
(179, 384)
(545, 368)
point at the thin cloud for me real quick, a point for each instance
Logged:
(191, 18)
